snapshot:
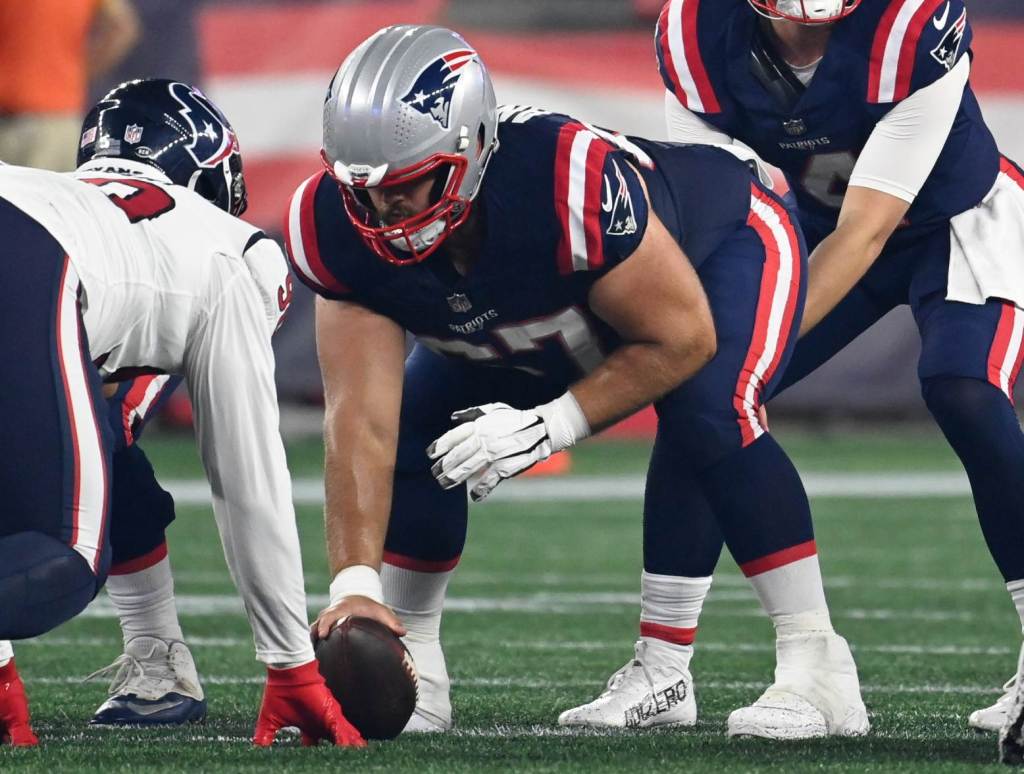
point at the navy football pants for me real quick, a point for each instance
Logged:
(54, 546)
(714, 472)
(140, 509)
(970, 359)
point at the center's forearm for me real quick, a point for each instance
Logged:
(635, 375)
(358, 474)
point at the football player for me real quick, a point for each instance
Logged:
(154, 681)
(902, 193)
(557, 278)
(135, 264)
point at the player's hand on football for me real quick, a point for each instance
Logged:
(491, 443)
(14, 719)
(359, 607)
(299, 697)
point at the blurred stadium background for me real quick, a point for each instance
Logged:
(268, 62)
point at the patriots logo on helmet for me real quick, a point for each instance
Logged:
(432, 92)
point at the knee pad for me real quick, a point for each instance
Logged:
(700, 439)
(959, 402)
(43, 583)
(427, 523)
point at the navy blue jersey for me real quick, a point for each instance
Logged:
(561, 205)
(877, 57)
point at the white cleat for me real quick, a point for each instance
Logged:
(816, 693)
(992, 718)
(153, 683)
(654, 689)
(433, 713)
(1011, 734)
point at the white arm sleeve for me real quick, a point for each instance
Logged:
(903, 148)
(230, 372)
(685, 126)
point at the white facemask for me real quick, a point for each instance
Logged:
(421, 239)
(814, 9)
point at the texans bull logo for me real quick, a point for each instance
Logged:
(212, 138)
(432, 93)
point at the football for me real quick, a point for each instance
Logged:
(371, 674)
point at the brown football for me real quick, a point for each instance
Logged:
(371, 674)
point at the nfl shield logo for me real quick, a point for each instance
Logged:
(795, 128)
(132, 134)
(459, 303)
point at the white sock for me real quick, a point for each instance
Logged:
(6, 652)
(791, 593)
(418, 600)
(145, 602)
(417, 597)
(1016, 589)
(670, 607)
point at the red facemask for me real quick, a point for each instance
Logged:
(419, 236)
(800, 10)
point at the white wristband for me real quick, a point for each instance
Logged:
(360, 580)
(565, 421)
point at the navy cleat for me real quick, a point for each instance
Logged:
(154, 683)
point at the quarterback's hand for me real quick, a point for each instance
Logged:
(14, 720)
(298, 697)
(358, 606)
(492, 442)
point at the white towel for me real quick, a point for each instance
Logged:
(986, 257)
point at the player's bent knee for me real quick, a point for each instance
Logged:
(700, 438)
(43, 583)
(955, 400)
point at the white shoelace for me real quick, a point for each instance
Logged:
(628, 669)
(132, 675)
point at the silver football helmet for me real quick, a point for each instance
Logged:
(410, 102)
(806, 11)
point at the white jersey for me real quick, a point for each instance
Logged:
(170, 283)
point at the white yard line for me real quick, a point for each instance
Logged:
(540, 683)
(309, 491)
(585, 646)
(544, 603)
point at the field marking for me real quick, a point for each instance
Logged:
(546, 603)
(543, 602)
(726, 578)
(589, 646)
(935, 484)
(540, 683)
(622, 582)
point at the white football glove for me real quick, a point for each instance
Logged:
(496, 441)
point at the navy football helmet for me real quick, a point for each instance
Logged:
(175, 128)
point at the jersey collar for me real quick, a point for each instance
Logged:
(122, 168)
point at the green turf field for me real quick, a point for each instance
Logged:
(545, 608)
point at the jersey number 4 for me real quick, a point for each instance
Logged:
(138, 199)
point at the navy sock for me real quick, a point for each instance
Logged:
(982, 427)
(43, 583)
